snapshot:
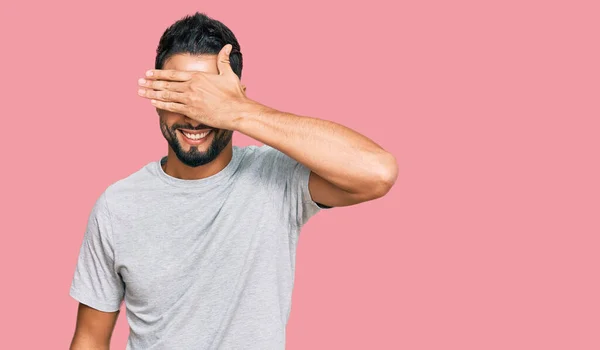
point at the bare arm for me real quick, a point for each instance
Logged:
(94, 329)
(347, 167)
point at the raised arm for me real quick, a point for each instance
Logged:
(346, 167)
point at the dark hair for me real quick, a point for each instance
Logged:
(198, 34)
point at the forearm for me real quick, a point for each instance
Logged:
(338, 154)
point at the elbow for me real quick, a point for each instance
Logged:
(88, 342)
(384, 176)
(388, 174)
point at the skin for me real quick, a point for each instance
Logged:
(203, 160)
(203, 92)
(93, 329)
(347, 168)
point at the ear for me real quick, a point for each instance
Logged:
(244, 88)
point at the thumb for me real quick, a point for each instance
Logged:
(223, 63)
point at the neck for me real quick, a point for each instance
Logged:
(175, 168)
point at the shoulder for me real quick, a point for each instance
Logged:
(265, 160)
(265, 155)
(257, 153)
(131, 187)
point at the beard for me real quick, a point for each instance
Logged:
(194, 157)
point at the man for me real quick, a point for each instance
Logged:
(201, 244)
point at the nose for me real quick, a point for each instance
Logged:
(192, 122)
(195, 124)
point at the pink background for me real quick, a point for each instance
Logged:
(490, 238)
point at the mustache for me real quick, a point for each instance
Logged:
(189, 127)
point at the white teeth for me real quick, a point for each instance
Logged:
(196, 136)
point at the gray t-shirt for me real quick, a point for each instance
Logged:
(200, 264)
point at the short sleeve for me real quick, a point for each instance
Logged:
(290, 179)
(96, 283)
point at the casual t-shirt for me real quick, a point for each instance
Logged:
(200, 264)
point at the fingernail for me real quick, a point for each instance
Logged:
(149, 73)
(141, 91)
(142, 81)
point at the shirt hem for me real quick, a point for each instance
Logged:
(93, 302)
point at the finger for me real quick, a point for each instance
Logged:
(223, 63)
(168, 74)
(163, 85)
(170, 106)
(168, 96)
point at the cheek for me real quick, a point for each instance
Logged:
(221, 135)
(170, 118)
(167, 115)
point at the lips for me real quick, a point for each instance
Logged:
(195, 137)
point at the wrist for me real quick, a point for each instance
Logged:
(246, 109)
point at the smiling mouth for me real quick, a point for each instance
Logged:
(195, 136)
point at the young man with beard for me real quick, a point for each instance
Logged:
(201, 244)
